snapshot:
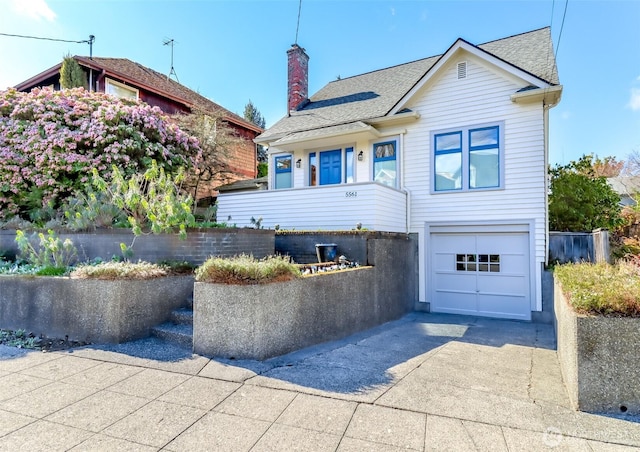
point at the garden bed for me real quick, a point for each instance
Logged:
(265, 320)
(259, 321)
(90, 310)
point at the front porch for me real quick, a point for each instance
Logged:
(333, 207)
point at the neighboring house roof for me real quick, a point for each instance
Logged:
(245, 185)
(143, 77)
(375, 94)
(626, 187)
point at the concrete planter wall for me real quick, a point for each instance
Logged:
(599, 358)
(90, 310)
(261, 321)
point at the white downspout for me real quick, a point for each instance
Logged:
(545, 109)
(403, 188)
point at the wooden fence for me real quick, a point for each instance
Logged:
(579, 246)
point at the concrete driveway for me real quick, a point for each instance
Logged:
(424, 382)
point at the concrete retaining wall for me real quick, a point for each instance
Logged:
(262, 321)
(198, 246)
(599, 359)
(90, 310)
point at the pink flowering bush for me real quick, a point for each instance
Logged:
(50, 141)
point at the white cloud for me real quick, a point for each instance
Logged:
(393, 11)
(634, 102)
(33, 9)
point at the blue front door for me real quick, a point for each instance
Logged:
(331, 167)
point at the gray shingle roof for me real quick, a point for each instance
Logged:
(374, 94)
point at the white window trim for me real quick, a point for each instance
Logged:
(109, 81)
(465, 157)
(343, 149)
(275, 157)
(390, 139)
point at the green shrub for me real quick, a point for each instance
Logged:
(245, 269)
(90, 210)
(119, 270)
(50, 270)
(612, 290)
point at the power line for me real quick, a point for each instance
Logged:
(298, 23)
(46, 39)
(566, 4)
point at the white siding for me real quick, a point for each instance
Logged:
(483, 97)
(335, 207)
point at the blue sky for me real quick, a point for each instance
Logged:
(233, 51)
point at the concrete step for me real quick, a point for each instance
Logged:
(179, 334)
(183, 316)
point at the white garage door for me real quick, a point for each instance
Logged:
(485, 274)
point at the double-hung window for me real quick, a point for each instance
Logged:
(468, 159)
(283, 177)
(384, 163)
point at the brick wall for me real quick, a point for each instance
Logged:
(198, 246)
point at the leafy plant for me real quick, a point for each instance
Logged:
(602, 288)
(72, 75)
(580, 200)
(13, 268)
(256, 223)
(152, 198)
(20, 339)
(245, 269)
(51, 252)
(51, 140)
(51, 271)
(90, 210)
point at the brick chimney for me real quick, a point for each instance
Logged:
(298, 71)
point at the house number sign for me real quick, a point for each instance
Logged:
(351, 194)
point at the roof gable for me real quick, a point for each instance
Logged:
(384, 92)
(504, 51)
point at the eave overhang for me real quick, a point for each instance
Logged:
(340, 133)
(549, 95)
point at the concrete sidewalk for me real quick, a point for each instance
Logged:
(425, 382)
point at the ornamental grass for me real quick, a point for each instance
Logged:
(602, 289)
(245, 269)
(120, 270)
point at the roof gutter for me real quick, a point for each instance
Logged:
(393, 119)
(549, 95)
(368, 130)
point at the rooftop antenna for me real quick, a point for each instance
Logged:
(90, 41)
(170, 42)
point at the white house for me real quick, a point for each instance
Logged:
(452, 148)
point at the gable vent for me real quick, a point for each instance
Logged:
(462, 70)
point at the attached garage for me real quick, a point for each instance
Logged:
(483, 271)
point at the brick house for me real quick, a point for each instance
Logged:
(125, 78)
